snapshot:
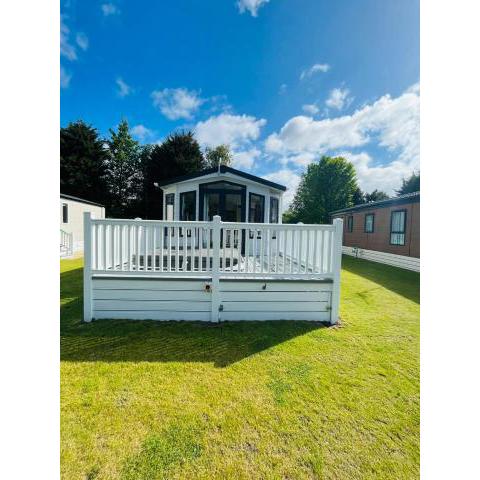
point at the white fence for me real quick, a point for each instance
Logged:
(211, 251)
(400, 261)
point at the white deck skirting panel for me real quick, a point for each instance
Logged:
(211, 271)
(141, 298)
(401, 261)
(277, 300)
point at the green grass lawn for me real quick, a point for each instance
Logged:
(251, 400)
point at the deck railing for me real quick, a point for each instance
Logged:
(214, 250)
(202, 248)
(66, 243)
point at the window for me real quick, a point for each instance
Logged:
(257, 208)
(169, 206)
(397, 227)
(64, 212)
(350, 223)
(188, 206)
(369, 222)
(273, 210)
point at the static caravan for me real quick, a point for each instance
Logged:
(234, 195)
(386, 231)
(71, 222)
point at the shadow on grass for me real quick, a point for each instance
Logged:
(150, 341)
(403, 282)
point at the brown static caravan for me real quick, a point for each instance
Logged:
(389, 226)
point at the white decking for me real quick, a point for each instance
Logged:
(130, 252)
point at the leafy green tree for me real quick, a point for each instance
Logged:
(124, 173)
(145, 158)
(220, 155)
(82, 162)
(358, 197)
(289, 217)
(410, 185)
(178, 155)
(376, 196)
(326, 186)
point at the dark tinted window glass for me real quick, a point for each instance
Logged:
(369, 223)
(65, 213)
(188, 204)
(350, 223)
(256, 209)
(273, 210)
(397, 227)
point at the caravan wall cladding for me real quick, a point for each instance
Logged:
(211, 271)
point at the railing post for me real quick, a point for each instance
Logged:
(337, 265)
(87, 267)
(216, 234)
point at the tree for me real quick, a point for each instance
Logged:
(178, 155)
(82, 162)
(146, 192)
(376, 196)
(289, 217)
(410, 185)
(358, 197)
(220, 155)
(124, 174)
(326, 186)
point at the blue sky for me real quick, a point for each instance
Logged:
(281, 81)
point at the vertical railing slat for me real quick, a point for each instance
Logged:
(129, 248)
(185, 256)
(177, 260)
(232, 245)
(315, 252)
(169, 253)
(307, 256)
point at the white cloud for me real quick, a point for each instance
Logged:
(283, 89)
(177, 103)
(302, 133)
(66, 48)
(290, 179)
(245, 159)
(415, 88)
(65, 78)
(141, 132)
(391, 123)
(302, 159)
(82, 40)
(338, 98)
(251, 6)
(394, 120)
(234, 130)
(123, 88)
(109, 9)
(311, 108)
(383, 177)
(317, 67)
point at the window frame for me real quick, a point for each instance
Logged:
(404, 232)
(65, 213)
(262, 197)
(182, 200)
(365, 223)
(273, 200)
(349, 224)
